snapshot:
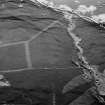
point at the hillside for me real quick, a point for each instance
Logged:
(37, 50)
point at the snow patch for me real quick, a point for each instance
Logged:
(83, 9)
(47, 3)
(43, 1)
(99, 18)
(76, 1)
(3, 81)
(65, 8)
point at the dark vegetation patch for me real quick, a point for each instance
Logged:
(16, 96)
